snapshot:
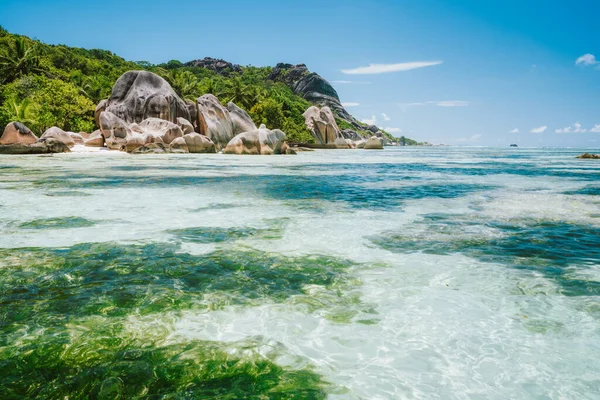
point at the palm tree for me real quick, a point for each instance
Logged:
(184, 83)
(21, 111)
(239, 93)
(17, 59)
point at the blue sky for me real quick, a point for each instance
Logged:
(500, 66)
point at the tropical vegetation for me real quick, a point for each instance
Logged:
(45, 85)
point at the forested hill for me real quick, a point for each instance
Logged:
(55, 85)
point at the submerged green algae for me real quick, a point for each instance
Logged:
(548, 247)
(274, 229)
(65, 316)
(57, 223)
(98, 359)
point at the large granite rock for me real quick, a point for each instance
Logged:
(197, 143)
(258, 141)
(374, 143)
(240, 119)
(221, 67)
(321, 123)
(43, 146)
(589, 156)
(68, 138)
(94, 140)
(185, 125)
(350, 134)
(17, 133)
(214, 120)
(118, 135)
(139, 95)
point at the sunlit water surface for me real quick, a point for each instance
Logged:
(417, 273)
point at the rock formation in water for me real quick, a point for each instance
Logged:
(68, 138)
(17, 133)
(139, 95)
(214, 120)
(240, 119)
(321, 123)
(589, 156)
(374, 143)
(197, 143)
(258, 141)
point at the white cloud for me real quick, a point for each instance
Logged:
(350, 104)
(369, 121)
(516, 130)
(586, 60)
(453, 103)
(392, 130)
(385, 117)
(595, 129)
(351, 82)
(541, 129)
(576, 128)
(386, 68)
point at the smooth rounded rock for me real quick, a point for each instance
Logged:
(17, 133)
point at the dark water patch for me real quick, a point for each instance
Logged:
(587, 191)
(57, 223)
(551, 248)
(67, 193)
(102, 362)
(53, 286)
(217, 206)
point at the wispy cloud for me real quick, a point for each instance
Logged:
(586, 60)
(392, 130)
(453, 103)
(350, 104)
(516, 130)
(385, 117)
(576, 128)
(369, 121)
(541, 129)
(351, 82)
(444, 103)
(387, 68)
(595, 129)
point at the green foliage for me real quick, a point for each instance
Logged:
(18, 57)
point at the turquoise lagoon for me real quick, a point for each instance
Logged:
(414, 273)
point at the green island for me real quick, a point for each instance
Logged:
(60, 92)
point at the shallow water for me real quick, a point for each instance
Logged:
(415, 273)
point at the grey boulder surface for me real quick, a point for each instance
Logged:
(214, 120)
(240, 118)
(219, 66)
(68, 138)
(197, 143)
(185, 125)
(42, 146)
(261, 141)
(374, 143)
(17, 133)
(321, 123)
(139, 95)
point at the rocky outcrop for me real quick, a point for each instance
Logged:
(312, 87)
(374, 143)
(43, 146)
(68, 138)
(197, 143)
(258, 141)
(94, 140)
(185, 125)
(221, 67)
(589, 156)
(17, 133)
(119, 135)
(240, 119)
(350, 134)
(139, 95)
(214, 120)
(179, 145)
(321, 123)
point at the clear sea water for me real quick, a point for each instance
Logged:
(408, 273)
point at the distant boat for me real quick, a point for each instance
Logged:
(514, 145)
